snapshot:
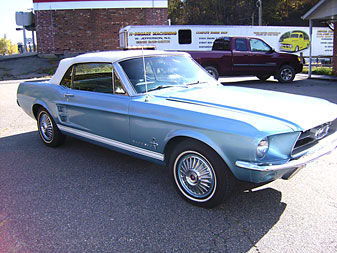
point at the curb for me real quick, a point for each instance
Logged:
(323, 77)
(15, 56)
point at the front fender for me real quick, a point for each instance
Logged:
(201, 137)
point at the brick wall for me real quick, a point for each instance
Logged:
(334, 57)
(67, 31)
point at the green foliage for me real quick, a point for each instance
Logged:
(286, 12)
(239, 12)
(175, 11)
(319, 71)
(6, 47)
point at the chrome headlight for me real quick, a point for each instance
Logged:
(262, 148)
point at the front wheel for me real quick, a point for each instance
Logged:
(199, 174)
(49, 132)
(286, 74)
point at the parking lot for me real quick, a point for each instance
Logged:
(84, 198)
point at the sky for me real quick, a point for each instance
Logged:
(7, 19)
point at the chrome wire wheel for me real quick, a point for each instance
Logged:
(199, 174)
(48, 130)
(46, 127)
(195, 176)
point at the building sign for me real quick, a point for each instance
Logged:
(96, 4)
(188, 37)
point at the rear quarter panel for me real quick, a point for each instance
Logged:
(42, 93)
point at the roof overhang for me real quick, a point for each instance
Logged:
(323, 10)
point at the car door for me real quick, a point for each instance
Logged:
(240, 56)
(261, 58)
(95, 103)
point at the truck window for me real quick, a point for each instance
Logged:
(185, 36)
(241, 45)
(221, 45)
(257, 45)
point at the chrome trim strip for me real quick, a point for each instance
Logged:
(267, 64)
(113, 143)
(326, 146)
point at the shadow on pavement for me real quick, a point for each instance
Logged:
(81, 197)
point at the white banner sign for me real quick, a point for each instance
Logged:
(183, 37)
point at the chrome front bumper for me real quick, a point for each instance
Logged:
(324, 147)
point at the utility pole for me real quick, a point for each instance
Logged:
(259, 5)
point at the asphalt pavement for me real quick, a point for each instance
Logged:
(84, 198)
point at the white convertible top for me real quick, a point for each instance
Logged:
(108, 56)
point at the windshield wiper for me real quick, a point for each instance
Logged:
(161, 87)
(197, 82)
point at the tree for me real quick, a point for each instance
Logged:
(196, 12)
(175, 11)
(286, 12)
(239, 12)
(6, 47)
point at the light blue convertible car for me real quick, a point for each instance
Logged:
(164, 107)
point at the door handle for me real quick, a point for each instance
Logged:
(67, 95)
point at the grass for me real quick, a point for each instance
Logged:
(318, 70)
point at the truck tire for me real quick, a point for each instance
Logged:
(212, 71)
(263, 77)
(286, 74)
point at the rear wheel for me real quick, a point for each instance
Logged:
(49, 132)
(199, 174)
(286, 74)
(212, 71)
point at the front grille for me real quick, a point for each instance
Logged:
(311, 137)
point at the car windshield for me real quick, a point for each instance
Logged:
(164, 72)
(294, 35)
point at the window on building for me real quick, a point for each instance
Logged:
(185, 36)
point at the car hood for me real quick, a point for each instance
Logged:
(289, 40)
(297, 112)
